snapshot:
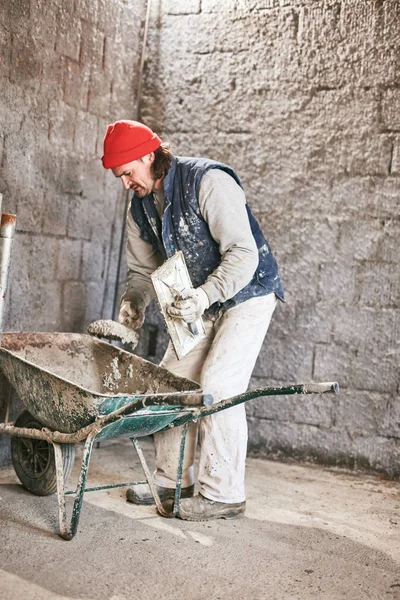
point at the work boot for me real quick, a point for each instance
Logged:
(200, 508)
(141, 493)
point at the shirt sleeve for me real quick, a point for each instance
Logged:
(142, 259)
(223, 206)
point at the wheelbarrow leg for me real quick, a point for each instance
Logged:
(150, 478)
(180, 468)
(68, 532)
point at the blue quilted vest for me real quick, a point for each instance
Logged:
(183, 228)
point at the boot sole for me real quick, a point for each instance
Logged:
(211, 517)
(149, 501)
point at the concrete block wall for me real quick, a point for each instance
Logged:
(67, 69)
(302, 98)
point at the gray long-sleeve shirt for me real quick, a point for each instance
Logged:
(222, 204)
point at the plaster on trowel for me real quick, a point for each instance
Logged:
(169, 281)
(111, 330)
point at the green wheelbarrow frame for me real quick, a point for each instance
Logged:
(135, 416)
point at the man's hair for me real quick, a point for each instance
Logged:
(162, 160)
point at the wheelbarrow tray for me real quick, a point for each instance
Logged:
(67, 380)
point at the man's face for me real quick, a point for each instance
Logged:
(137, 175)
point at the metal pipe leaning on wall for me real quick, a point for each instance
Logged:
(7, 230)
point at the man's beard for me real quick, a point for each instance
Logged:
(142, 191)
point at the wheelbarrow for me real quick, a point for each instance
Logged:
(79, 389)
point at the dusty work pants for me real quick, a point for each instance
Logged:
(222, 363)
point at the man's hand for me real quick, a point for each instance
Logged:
(190, 305)
(130, 316)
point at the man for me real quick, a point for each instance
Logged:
(198, 206)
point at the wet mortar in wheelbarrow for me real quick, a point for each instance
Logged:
(78, 389)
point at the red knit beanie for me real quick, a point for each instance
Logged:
(126, 141)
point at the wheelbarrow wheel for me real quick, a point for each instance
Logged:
(34, 462)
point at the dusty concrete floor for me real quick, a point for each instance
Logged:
(308, 533)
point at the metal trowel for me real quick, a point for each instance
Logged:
(111, 330)
(169, 281)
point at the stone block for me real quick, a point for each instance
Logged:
(74, 298)
(315, 409)
(312, 322)
(88, 10)
(175, 7)
(79, 219)
(15, 15)
(366, 155)
(69, 34)
(299, 441)
(288, 361)
(94, 302)
(337, 283)
(76, 84)
(279, 408)
(377, 453)
(35, 304)
(94, 260)
(124, 87)
(62, 119)
(395, 166)
(99, 96)
(309, 443)
(338, 109)
(26, 63)
(51, 87)
(367, 414)
(102, 124)
(85, 138)
(378, 27)
(375, 371)
(359, 240)
(5, 52)
(390, 113)
(366, 328)
(377, 286)
(92, 46)
(357, 368)
(93, 178)
(295, 273)
(349, 196)
(44, 23)
(388, 247)
(69, 259)
(34, 260)
(55, 214)
(391, 421)
(383, 202)
(22, 147)
(71, 175)
(108, 16)
(333, 363)
(214, 6)
(307, 240)
(29, 210)
(130, 31)
(310, 199)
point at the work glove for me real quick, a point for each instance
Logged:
(130, 316)
(189, 305)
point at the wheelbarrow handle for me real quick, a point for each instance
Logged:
(302, 388)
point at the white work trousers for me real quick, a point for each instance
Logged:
(222, 363)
